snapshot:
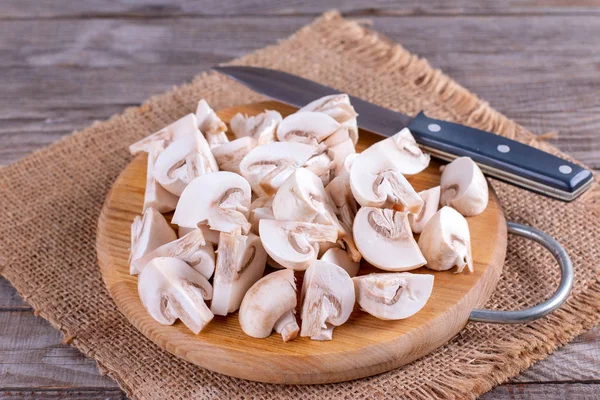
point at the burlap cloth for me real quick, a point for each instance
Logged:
(50, 202)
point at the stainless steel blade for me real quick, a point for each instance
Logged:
(296, 91)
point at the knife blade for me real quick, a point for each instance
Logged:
(499, 157)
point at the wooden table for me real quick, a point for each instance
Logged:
(64, 66)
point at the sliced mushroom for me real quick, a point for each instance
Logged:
(327, 299)
(183, 127)
(341, 258)
(241, 262)
(211, 125)
(148, 232)
(464, 187)
(338, 155)
(211, 236)
(191, 248)
(384, 239)
(307, 127)
(340, 192)
(261, 208)
(339, 108)
(267, 167)
(229, 155)
(393, 296)
(270, 304)
(446, 241)
(294, 244)
(403, 149)
(221, 199)
(303, 198)
(261, 127)
(431, 197)
(376, 181)
(322, 165)
(155, 196)
(171, 289)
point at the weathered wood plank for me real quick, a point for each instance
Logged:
(67, 394)
(88, 70)
(10, 299)
(31, 356)
(154, 8)
(523, 391)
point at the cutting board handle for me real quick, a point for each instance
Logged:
(546, 307)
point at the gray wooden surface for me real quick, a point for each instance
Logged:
(65, 64)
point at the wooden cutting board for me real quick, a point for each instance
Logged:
(363, 346)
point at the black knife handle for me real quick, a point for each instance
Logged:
(502, 158)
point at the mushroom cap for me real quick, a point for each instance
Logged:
(229, 155)
(211, 125)
(241, 262)
(148, 232)
(260, 208)
(431, 197)
(185, 126)
(327, 299)
(403, 149)
(261, 127)
(155, 196)
(266, 302)
(338, 137)
(191, 248)
(464, 187)
(303, 198)
(266, 167)
(339, 108)
(339, 153)
(376, 181)
(221, 199)
(171, 289)
(446, 241)
(306, 127)
(341, 258)
(393, 296)
(385, 240)
(294, 244)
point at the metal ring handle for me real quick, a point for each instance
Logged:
(546, 307)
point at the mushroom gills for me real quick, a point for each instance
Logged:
(170, 289)
(241, 262)
(269, 305)
(261, 127)
(392, 296)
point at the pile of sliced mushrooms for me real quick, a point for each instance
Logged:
(293, 194)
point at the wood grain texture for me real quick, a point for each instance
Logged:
(10, 299)
(363, 346)
(549, 391)
(55, 394)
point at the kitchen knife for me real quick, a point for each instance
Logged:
(502, 158)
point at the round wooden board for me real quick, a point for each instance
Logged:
(363, 346)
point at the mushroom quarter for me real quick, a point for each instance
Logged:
(148, 232)
(463, 187)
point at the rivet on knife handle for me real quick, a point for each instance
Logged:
(502, 158)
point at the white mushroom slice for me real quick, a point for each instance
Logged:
(171, 289)
(155, 196)
(384, 239)
(211, 236)
(241, 262)
(261, 127)
(431, 197)
(464, 187)
(338, 155)
(267, 167)
(327, 299)
(148, 232)
(339, 136)
(376, 181)
(404, 150)
(294, 244)
(221, 199)
(229, 155)
(339, 108)
(261, 208)
(341, 258)
(211, 125)
(270, 304)
(306, 127)
(183, 127)
(446, 241)
(340, 192)
(321, 165)
(182, 161)
(393, 296)
(191, 248)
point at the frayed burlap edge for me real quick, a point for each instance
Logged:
(581, 312)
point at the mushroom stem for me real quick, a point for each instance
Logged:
(287, 326)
